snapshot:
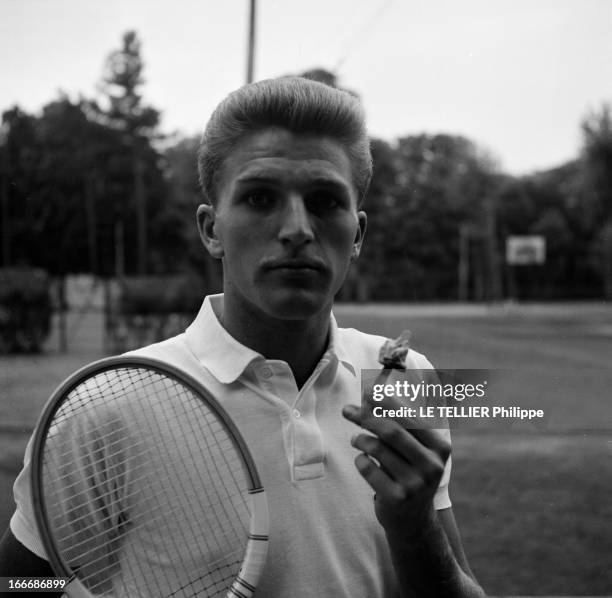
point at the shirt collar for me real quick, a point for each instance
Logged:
(214, 347)
(336, 346)
(225, 357)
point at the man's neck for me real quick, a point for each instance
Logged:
(300, 343)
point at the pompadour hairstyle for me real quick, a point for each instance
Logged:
(299, 105)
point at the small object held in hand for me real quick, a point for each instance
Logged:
(392, 354)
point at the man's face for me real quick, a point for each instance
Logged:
(285, 224)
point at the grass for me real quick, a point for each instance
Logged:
(533, 505)
(534, 514)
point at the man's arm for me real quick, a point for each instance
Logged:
(17, 561)
(447, 518)
(433, 563)
(404, 468)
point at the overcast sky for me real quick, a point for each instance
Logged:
(516, 76)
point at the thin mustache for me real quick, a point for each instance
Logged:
(296, 262)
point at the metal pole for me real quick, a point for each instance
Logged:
(251, 43)
(63, 322)
(464, 261)
(6, 230)
(119, 251)
(90, 208)
(141, 210)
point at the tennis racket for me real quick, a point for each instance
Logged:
(143, 486)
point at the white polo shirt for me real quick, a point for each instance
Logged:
(324, 536)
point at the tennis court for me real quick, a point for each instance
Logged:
(533, 505)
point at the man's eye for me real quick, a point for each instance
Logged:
(324, 201)
(259, 199)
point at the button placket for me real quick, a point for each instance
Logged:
(308, 445)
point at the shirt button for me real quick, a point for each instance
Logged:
(266, 373)
(296, 413)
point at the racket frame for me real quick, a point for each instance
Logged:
(256, 548)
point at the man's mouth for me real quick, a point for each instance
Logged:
(295, 264)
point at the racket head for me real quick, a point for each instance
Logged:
(98, 485)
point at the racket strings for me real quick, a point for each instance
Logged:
(134, 421)
(234, 488)
(200, 584)
(220, 501)
(212, 542)
(135, 480)
(81, 547)
(218, 576)
(122, 447)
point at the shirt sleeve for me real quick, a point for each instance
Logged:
(441, 500)
(85, 492)
(23, 523)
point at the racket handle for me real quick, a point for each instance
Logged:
(75, 589)
(256, 550)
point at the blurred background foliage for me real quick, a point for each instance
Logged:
(92, 186)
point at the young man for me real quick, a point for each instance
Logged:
(284, 166)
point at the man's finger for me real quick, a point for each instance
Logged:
(411, 443)
(397, 467)
(421, 430)
(382, 484)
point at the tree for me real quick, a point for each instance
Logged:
(442, 181)
(596, 183)
(75, 175)
(50, 162)
(380, 206)
(18, 155)
(596, 161)
(126, 113)
(121, 84)
(184, 197)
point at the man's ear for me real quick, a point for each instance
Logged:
(206, 218)
(359, 235)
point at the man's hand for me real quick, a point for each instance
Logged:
(403, 464)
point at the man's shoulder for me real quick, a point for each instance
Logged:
(177, 353)
(363, 349)
(173, 350)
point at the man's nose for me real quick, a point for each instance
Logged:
(296, 226)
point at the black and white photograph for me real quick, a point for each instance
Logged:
(306, 299)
